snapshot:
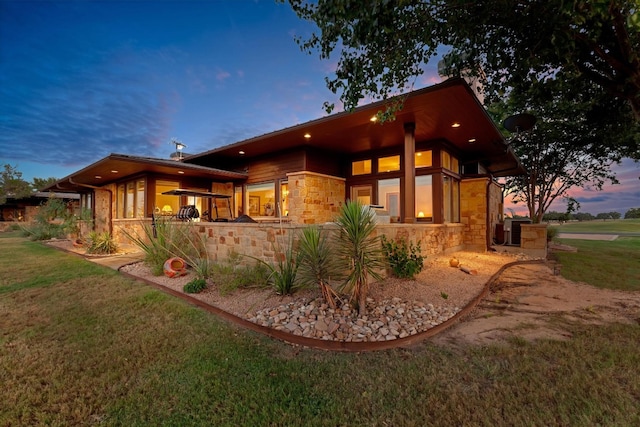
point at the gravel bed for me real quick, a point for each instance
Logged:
(396, 308)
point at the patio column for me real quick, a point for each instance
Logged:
(409, 173)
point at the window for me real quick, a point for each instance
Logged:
(423, 159)
(166, 205)
(130, 199)
(237, 198)
(449, 162)
(86, 202)
(139, 199)
(361, 193)
(388, 164)
(389, 197)
(424, 198)
(261, 199)
(451, 199)
(284, 197)
(361, 167)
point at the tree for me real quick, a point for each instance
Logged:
(384, 44)
(583, 216)
(632, 213)
(41, 183)
(604, 216)
(12, 185)
(574, 143)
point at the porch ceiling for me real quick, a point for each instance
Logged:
(118, 166)
(433, 110)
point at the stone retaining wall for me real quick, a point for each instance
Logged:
(262, 241)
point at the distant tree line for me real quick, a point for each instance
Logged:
(585, 216)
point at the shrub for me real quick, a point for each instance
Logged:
(405, 261)
(195, 286)
(53, 220)
(101, 243)
(552, 233)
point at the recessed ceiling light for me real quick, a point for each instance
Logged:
(98, 177)
(181, 172)
(374, 119)
(472, 140)
(307, 135)
(114, 171)
(455, 125)
(241, 152)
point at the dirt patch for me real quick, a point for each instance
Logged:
(530, 302)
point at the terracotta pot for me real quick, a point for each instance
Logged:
(453, 262)
(174, 267)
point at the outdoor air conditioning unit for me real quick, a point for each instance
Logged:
(513, 230)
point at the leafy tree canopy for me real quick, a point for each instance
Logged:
(577, 139)
(12, 185)
(41, 183)
(632, 213)
(384, 44)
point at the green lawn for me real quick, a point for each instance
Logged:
(606, 264)
(82, 345)
(599, 226)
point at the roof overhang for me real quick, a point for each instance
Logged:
(119, 166)
(433, 110)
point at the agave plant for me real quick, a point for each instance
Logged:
(317, 266)
(359, 249)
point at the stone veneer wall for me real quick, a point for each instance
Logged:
(314, 198)
(104, 208)
(473, 212)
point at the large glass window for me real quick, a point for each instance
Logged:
(261, 199)
(284, 197)
(120, 201)
(388, 164)
(361, 193)
(449, 162)
(361, 167)
(451, 199)
(389, 197)
(140, 198)
(424, 198)
(165, 204)
(130, 199)
(237, 198)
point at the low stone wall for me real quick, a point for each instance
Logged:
(262, 241)
(533, 239)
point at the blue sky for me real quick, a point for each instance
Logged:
(82, 79)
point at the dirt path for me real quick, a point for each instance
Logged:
(527, 301)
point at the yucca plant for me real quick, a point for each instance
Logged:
(155, 242)
(101, 243)
(316, 263)
(191, 246)
(359, 249)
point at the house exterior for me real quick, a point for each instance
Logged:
(429, 174)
